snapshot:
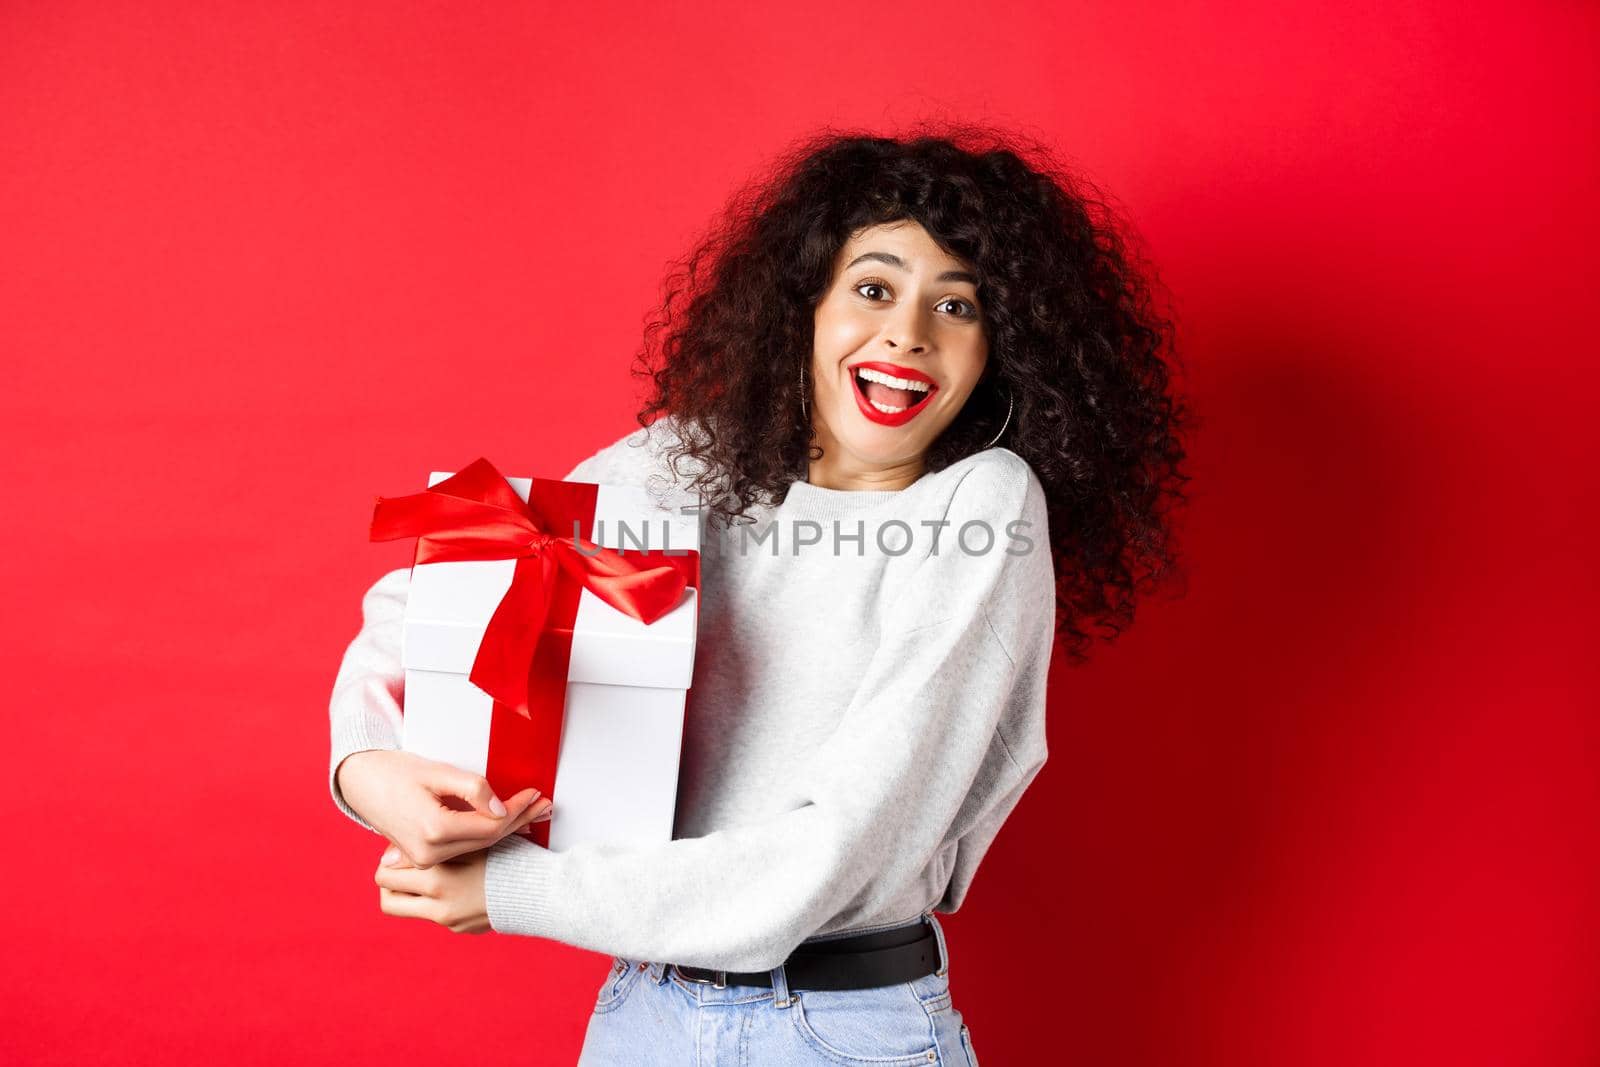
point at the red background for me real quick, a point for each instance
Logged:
(262, 262)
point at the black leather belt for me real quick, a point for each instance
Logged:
(863, 961)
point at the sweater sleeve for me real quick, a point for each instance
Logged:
(868, 810)
(365, 710)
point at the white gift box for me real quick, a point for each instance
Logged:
(617, 772)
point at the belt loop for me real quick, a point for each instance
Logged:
(780, 987)
(938, 933)
(658, 973)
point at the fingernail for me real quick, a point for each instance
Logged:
(390, 856)
(498, 808)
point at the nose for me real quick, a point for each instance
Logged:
(905, 333)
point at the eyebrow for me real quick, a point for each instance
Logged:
(895, 261)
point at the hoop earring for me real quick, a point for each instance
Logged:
(1003, 425)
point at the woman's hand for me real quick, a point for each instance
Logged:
(450, 893)
(430, 810)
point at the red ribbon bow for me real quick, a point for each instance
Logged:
(476, 515)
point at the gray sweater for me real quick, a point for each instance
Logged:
(868, 706)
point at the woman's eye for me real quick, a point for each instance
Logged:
(970, 311)
(869, 285)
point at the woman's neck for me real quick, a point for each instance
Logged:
(833, 471)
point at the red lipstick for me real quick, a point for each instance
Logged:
(898, 418)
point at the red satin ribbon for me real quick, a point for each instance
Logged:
(522, 660)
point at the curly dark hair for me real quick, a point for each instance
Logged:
(1068, 313)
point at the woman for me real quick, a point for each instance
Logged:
(920, 388)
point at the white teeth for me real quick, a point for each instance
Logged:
(885, 408)
(888, 379)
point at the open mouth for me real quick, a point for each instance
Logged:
(891, 395)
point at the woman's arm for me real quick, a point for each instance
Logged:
(969, 639)
(364, 712)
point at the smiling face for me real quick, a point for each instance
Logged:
(898, 345)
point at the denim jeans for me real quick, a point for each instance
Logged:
(649, 1015)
